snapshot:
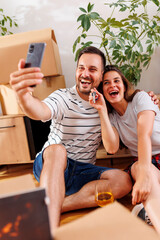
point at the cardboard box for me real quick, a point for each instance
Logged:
(49, 85)
(14, 47)
(17, 184)
(113, 222)
(8, 100)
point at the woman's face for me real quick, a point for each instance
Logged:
(113, 87)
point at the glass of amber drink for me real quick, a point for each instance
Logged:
(103, 193)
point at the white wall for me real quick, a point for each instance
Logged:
(61, 15)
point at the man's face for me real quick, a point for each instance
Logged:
(88, 74)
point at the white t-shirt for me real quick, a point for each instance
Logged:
(75, 124)
(127, 124)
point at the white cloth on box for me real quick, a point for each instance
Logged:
(127, 124)
(75, 124)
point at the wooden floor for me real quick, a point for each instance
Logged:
(11, 171)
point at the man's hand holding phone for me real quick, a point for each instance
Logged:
(22, 81)
(29, 72)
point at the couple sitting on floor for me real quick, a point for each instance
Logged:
(65, 166)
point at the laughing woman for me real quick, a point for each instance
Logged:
(135, 119)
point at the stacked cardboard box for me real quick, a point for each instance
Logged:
(24, 135)
(12, 49)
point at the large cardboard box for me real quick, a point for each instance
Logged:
(113, 222)
(14, 47)
(49, 85)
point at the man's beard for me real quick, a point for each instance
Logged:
(82, 91)
(85, 93)
(79, 84)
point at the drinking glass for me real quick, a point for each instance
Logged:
(103, 193)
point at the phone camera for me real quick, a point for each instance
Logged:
(31, 48)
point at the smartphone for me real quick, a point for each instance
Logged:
(35, 55)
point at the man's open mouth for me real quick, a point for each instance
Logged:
(84, 81)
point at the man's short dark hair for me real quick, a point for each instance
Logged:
(93, 50)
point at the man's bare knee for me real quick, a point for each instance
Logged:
(119, 180)
(55, 153)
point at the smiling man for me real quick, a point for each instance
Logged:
(89, 72)
(66, 164)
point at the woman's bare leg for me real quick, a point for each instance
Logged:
(152, 203)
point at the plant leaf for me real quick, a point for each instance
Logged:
(148, 41)
(156, 2)
(84, 35)
(112, 44)
(90, 7)
(123, 9)
(75, 43)
(81, 17)
(83, 10)
(145, 63)
(93, 15)
(105, 42)
(140, 46)
(86, 23)
(144, 3)
(149, 47)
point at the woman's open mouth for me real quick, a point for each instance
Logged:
(113, 93)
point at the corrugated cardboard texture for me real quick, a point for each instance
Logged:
(113, 222)
(14, 47)
(49, 85)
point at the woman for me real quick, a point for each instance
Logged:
(135, 120)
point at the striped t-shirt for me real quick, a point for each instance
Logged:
(75, 124)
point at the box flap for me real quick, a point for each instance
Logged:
(113, 222)
(27, 37)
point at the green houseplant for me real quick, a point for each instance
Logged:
(128, 43)
(6, 23)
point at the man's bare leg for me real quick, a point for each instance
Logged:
(52, 179)
(120, 183)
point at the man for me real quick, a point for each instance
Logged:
(66, 164)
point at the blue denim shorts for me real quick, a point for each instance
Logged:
(77, 174)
